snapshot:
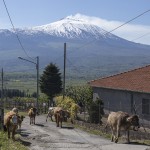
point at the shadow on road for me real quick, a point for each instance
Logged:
(41, 125)
(25, 143)
(25, 134)
(137, 143)
(64, 127)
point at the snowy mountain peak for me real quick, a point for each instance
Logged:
(74, 27)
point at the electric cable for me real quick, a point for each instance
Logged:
(141, 36)
(15, 30)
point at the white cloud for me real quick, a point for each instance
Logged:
(129, 31)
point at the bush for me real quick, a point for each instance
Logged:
(96, 111)
(68, 104)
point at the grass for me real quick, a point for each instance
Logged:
(29, 85)
(9, 144)
(24, 113)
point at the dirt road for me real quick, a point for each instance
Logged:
(46, 136)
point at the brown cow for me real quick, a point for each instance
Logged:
(122, 121)
(20, 119)
(60, 115)
(32, 114)
(11, 123)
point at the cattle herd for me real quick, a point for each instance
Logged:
(117, 121)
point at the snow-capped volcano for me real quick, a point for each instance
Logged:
(91, 45)
(72, 27)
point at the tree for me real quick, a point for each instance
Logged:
(81, 95)
(50, 81)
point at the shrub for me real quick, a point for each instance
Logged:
(68, 104)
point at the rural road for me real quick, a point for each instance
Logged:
(46, 136)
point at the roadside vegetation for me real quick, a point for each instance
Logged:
(9, 144)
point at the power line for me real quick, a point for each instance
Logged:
(129, 21)
(141, 36)
(107, 32)
(15, 30)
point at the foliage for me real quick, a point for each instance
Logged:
(68, 104)
(12, 92)
(50, 81)
(43, 98)
(81, 94)
(96, 111)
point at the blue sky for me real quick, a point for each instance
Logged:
(30, 13)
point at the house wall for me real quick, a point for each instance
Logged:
(119, 100)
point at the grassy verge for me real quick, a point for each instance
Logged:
(9, 144)
(24, 113)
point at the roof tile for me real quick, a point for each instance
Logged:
(133, 80)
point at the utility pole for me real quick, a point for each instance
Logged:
(1, 103)
(37, 67)
(2, 93)
(64, 70)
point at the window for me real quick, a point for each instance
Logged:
(145, 106)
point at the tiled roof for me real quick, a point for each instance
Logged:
(135, 80)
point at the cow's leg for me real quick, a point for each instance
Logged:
(61, 119)
(47, 116)
(34, 119)
(55, 119)
(128, 140)
(8, 130)
(51, 117)
(13, 133)
(112, 134)
(117, 134)
(30, 120)
(58, 119)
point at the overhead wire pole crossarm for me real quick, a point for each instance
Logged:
(37, 68)
(27, 60)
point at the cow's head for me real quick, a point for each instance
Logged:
(21, 117)
(67, 114)
(134, 121)
(14, 119)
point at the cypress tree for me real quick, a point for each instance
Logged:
(50, 81)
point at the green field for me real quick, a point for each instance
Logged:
(27, 82)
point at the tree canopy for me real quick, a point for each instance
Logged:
(50, 81)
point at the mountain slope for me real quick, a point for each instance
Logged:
(88, 47)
